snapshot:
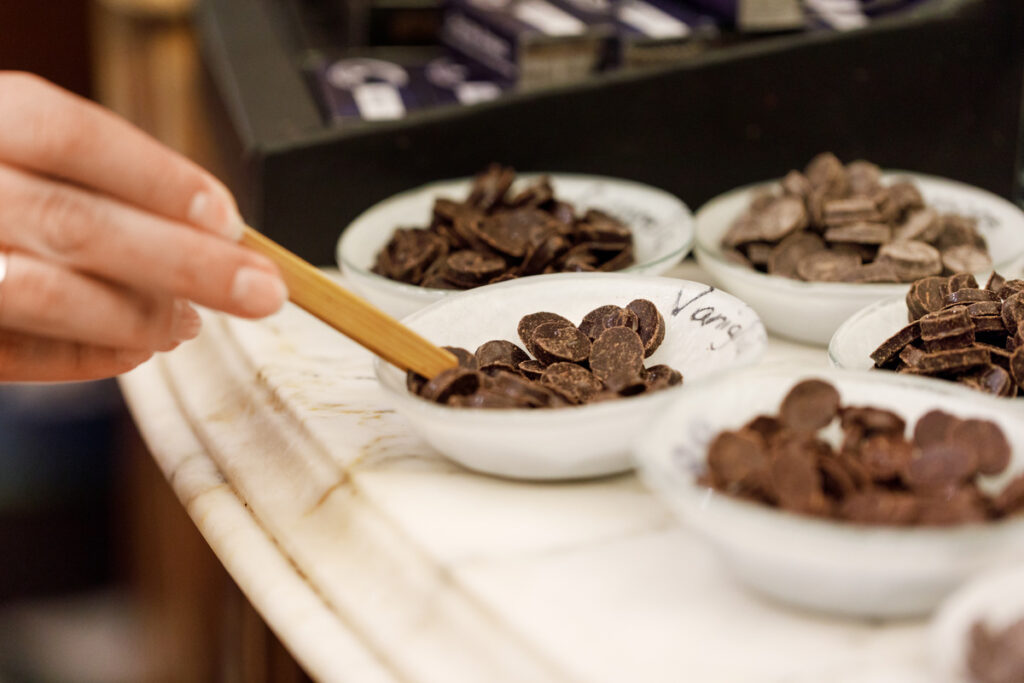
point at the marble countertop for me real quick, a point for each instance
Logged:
(373, 558)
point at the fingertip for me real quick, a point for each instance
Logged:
(257, 293)
(187, 321)
(213, 208)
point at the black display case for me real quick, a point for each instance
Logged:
(936, 90)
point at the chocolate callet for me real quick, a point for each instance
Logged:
(554, 342)
(810, 405)
(617, 359)
(651, 324)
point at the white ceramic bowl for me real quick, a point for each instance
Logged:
(824, 565)
(995, 598)
(662, 228)
(864, 331)
(707, 331)
(811, 311)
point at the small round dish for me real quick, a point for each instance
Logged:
(819, 564)
(995, 598)
(811, 311)
(862, 333)
(662, 228)
(707, 331)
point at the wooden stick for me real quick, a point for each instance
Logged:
(349, 314)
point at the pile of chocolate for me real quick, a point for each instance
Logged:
(961, 332)
(599, 360)
(996, 656)
(835, 223)
(495, 235)
(876, 475)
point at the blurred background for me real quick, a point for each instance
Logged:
(102, 576)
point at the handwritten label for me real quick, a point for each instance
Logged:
(708, 316)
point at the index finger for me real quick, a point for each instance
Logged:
(51, 131)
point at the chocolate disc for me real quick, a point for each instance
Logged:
(889, 350)
(886, 456)
(790, 251)
(500, 353)
(966, 258)
(651, 324)
(860, 233)
(531, 369)
(929, 294)
(617, 359)
(941, 465)
(738, 463)
(605, 317)
(489, 187)
(553, 342)
(450, 382)
(795, 479)
(934, 427)
(826, 266)
(986, 443)
(466, 359)
(783, 216)
(471, 268)
(810, 405)
(873, 420)
(962, 280)
(528, 324)
(662, 377)
(574, 383)
(911, 259)
(851, 210)
(922, 225)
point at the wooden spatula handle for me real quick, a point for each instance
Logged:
(351, 315)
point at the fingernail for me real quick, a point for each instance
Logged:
(133, 358)
(213, 213)
(258, 292)
(187, 322)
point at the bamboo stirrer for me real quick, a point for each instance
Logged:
(349, 314)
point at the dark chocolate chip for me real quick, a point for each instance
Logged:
(827, 266)
(651, 324)
(889, 350)
(451, 382)
(574, 383)
(810, 405)
(987, 443)
(617, 359)
(528, 324)
(738, 464)
(789, 252)
(604, 317)
(553, 342)
(500, 353)
(466, 359)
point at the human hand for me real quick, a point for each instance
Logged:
(109, 236)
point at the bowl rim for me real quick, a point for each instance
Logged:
(342, 254)
(651, 461)
(713, 253)
(524, 416)
(851, 323)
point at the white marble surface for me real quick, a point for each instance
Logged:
(375, 559)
